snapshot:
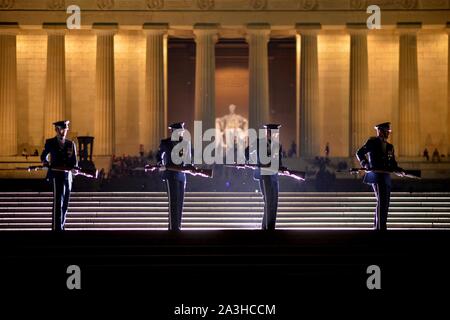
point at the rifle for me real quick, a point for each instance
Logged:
(283, 171)
(189, 169)
(77, 171)
(412, 174)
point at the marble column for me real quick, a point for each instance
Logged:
(55, 89)
(448, 91)
(258, 36)
(8, 87)
(205, 70)
(308, 89)
(408, 108)
(105, 101)
(359, 85)
(155, 84)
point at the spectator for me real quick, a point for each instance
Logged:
(293, 150)
(426, 155)
(324, 179)
(436, 156)
(342, 165)
(125, 165)
(25, 153)
(141, 150)
(327, 150)
(35, 153)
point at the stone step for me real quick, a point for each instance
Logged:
(220, 226)
(149, 211)
(221, 221)
(188, 202)
(228, 194)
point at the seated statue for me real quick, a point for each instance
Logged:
(232, 129)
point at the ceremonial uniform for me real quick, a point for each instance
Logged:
(175, 181)
(63, 154)
(268, 181)
(378, 155)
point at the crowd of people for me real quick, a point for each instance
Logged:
(127, 165)
(435, 157)
(322, 168)
(25, 153)
(324, 178)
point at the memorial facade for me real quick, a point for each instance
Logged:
(136, 65)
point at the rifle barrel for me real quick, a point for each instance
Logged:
(189, 169)
(406, 173)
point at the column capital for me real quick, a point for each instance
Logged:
(258, 28)
(409, 27)
(151, 28)
(9, 28)
(308, 28)
(105, 28)
(56, 28)
(206, 29)
(357, 28)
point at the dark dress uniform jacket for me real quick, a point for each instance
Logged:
(60, 156)
(257, 172)
(379, 155)
(164, 157)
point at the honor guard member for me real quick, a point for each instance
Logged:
(175, 181)
(63, 154)
(377, 156)
(268, 177)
